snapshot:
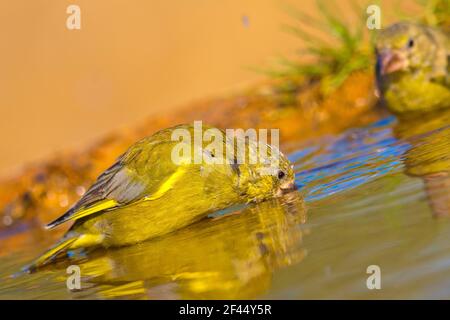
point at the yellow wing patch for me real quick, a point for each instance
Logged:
(102, 205)
(83, 212)
(105, 204)
(167, 185)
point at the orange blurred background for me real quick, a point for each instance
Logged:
(63, 88)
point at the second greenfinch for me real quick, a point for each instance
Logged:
(412, 69)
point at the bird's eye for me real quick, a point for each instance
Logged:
(410, 43)
(209, 153)
(281, 174)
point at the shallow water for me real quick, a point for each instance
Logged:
(376, 195)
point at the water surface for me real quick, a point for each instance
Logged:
(376, 195)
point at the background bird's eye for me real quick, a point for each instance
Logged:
(281, 174)
(410, 43)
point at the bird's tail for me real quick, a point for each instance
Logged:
(50, 254)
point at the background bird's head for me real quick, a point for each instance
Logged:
(404, 47)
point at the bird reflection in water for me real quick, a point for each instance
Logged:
(429, 155)
(227, 257)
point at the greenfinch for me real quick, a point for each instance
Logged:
(147, 194)
(412, 70)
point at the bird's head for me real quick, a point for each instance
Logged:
(272, 176)
(404, 47)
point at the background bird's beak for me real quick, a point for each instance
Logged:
(390, 61)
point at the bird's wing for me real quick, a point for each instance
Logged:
(441, 72)
(446, 61)
(123, 183)
(447, 78)
(447, 67)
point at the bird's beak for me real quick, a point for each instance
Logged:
(389, 61)
(286, 187)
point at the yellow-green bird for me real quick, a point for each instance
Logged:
(412, 69)
(154, 188)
